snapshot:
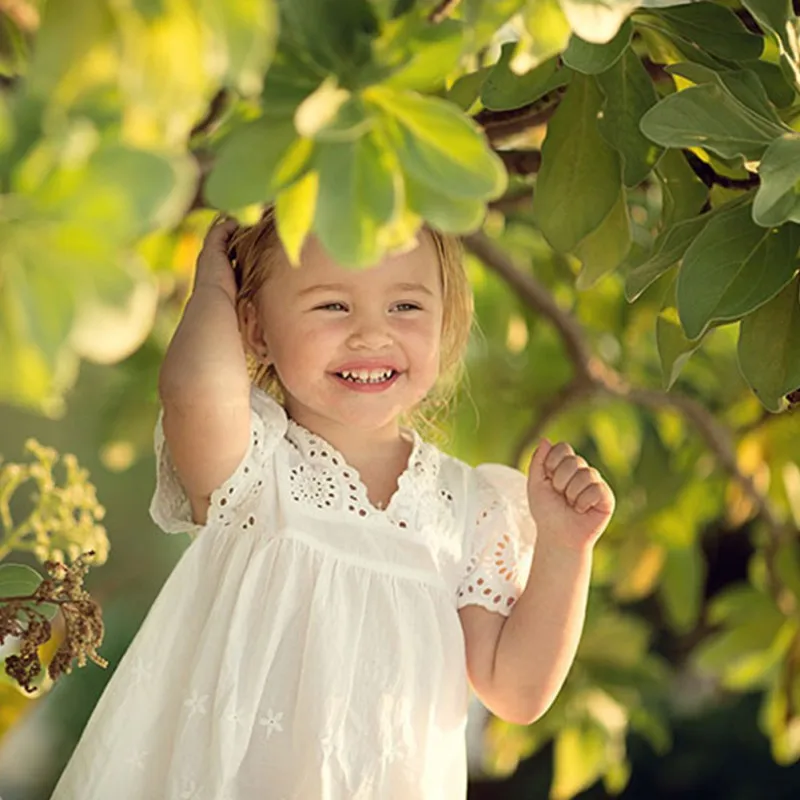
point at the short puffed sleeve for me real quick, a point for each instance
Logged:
(170, 507)
(500, 537)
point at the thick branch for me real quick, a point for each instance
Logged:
(498, 125)
(709, 176)
(536, 296)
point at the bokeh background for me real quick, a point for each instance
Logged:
(687, 680)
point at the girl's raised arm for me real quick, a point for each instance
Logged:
(203, 383)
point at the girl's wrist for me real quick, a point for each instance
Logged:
(210, 288)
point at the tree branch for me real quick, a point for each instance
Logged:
(498, 125)
(442, 11)
(536, 296)
(709, 176)
(592, 376)
(521, 162)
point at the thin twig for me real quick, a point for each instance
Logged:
(442, 11)
(521, 162)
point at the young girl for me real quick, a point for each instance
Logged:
(347, 581)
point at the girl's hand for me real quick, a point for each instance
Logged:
(570, 501)
(213, 265)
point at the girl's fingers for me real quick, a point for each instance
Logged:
(564, 472)
(219, 233)
(582, 479)
(591, 496)
(557, 454)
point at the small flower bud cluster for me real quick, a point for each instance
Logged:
(83, 624)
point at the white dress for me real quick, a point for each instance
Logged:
(307, 645)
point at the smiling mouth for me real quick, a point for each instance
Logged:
(367, 376)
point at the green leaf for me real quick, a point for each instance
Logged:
(246, 163)
(290, 79)
(445, 212)
(482, 18)
(778, 196)
(439, 146)
(743, 85)
(335, 37)
(357, 196)
(714, 28)
(467, 89)
(244, 35)
(733, 267)
(503, 89)
(18, 580)
(70, 30)
(681, 587)
(780, 91)
(592, 59)
(778, 17)
(432, 55)
(598, 21)
(684, 194)
(545, 33)
(710, 116)
(674, 348)
(606, 247)
(629, 94)
(575, 156)
(580, 758)
(332, 114)
(769, 347)
(295, 208)
(669, 248)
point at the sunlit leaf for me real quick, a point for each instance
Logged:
(593, 59)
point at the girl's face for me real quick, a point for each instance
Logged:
(352, 348)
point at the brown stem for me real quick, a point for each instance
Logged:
(443, 10)
(498, 125)
(592, 375)
(521, 162)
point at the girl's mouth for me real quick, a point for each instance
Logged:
(363, 380)
(367, 375)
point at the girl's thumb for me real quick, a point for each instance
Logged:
(539, 456)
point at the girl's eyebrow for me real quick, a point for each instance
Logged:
(340, 287)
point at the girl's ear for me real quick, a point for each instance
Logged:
(253, 334)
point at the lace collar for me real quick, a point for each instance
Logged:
(325, 479)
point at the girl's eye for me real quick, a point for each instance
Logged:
(407, 307)
(332, 307)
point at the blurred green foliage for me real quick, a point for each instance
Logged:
(635, 280)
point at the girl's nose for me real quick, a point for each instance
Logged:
(369, 332)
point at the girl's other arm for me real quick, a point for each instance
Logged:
(518, 664)
(203, 383)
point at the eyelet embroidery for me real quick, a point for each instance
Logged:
(324, 480)
(491, 576)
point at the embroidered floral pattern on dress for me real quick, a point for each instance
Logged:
(502, 535)
(325, 480)
(272, 722)
(170, 507)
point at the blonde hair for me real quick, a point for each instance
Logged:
(254, 250)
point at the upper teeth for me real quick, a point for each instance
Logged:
(371, 375)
